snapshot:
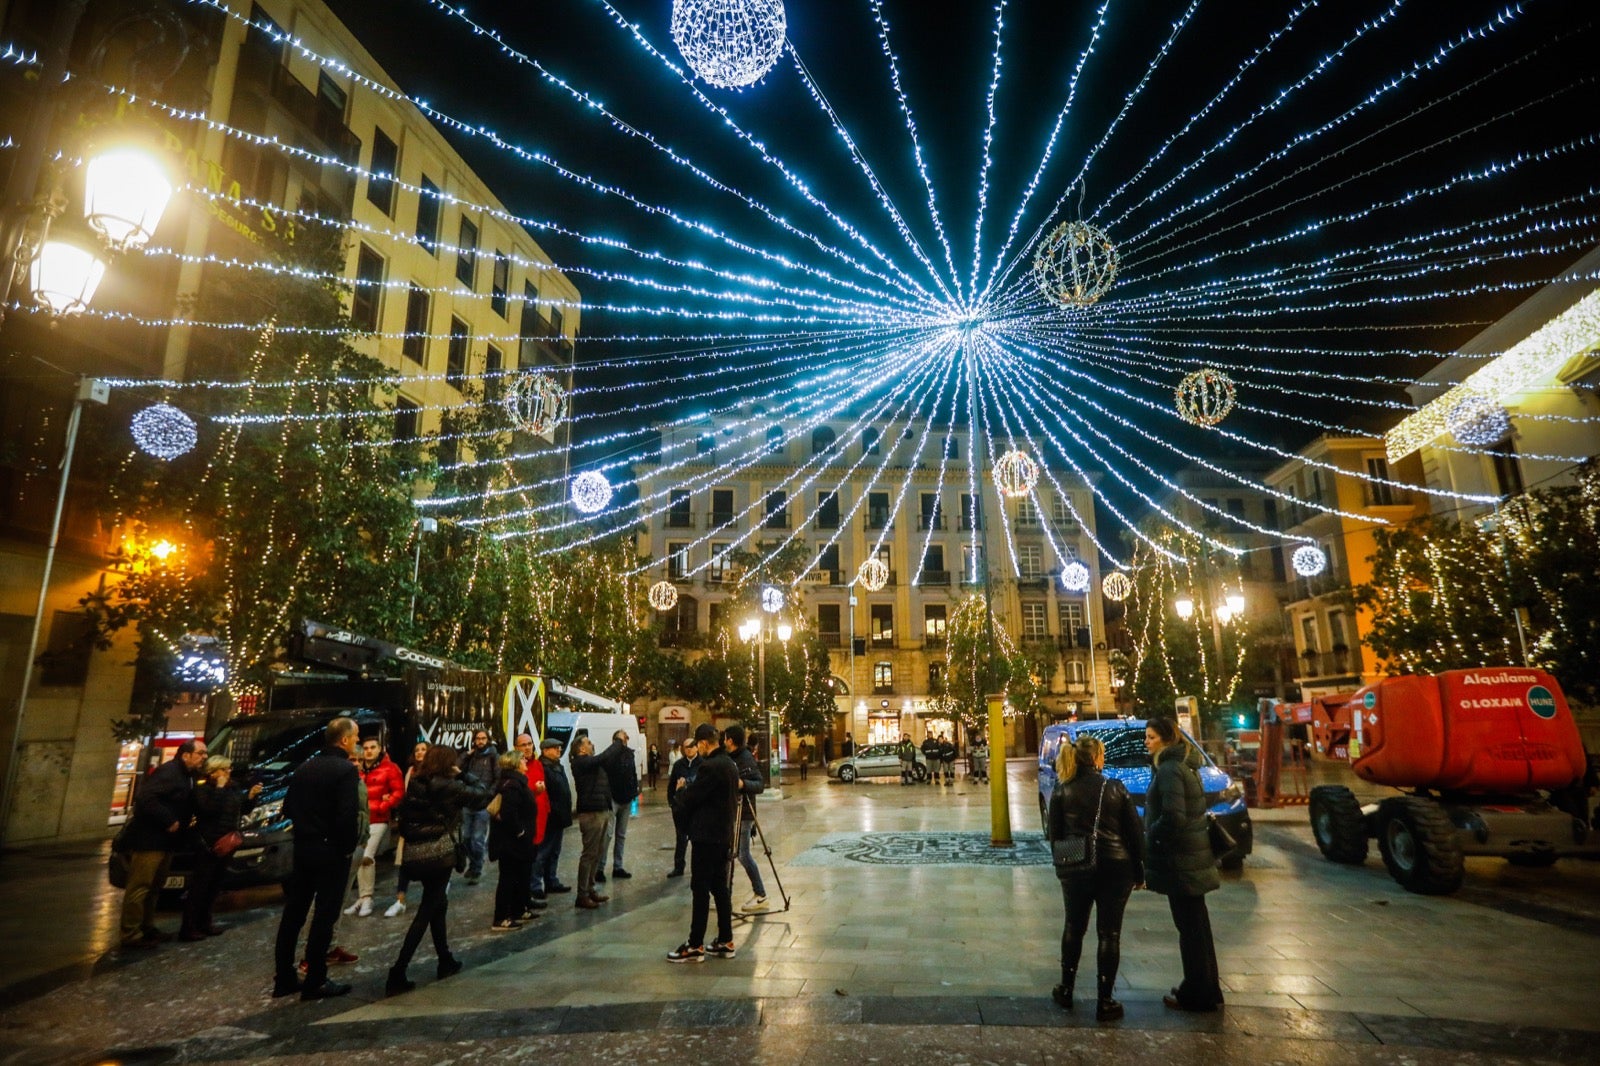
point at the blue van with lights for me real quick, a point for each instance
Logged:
(1128, 761)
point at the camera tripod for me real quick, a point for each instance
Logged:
(733, 861)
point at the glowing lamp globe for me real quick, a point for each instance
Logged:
(1116, 587)
(64, 276)
(1308, 560)
(1015, 474)
(1075, 577)
(125, 192)
(164, 431)
(1479, 422)
(1074, 265)
(536, 403)
(873, 575)
(1205, 397)
(730, 44)
(771, 599)
(663, 595)
(1235, 602)
(590, 492)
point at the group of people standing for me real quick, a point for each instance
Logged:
(1168, 851)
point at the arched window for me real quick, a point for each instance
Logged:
(1076, 673)
(869, 441)
(822, 439)
(774, 439)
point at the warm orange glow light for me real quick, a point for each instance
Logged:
(163, 548)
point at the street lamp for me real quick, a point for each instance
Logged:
(125, 192)
(755, 630)
(1231, 607)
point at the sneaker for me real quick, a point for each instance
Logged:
(350, 911)
(721, 950)
(365, 905)
(396, 909)
(530, 915)
(685, 953)
(505, 926)
(338, 956)
(754, 904)
(620, 874)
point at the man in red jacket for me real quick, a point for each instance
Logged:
(541, 802)
(385, 788)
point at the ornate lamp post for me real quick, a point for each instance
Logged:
(758, 631)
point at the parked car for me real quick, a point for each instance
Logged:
(874, 760)
(1128, 761)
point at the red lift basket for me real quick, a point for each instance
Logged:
(1503, 729)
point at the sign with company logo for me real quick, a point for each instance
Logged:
(523, 710)
(1542, 702)
(1370, 700)
(673, 715)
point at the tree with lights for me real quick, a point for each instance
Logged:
(977, 669)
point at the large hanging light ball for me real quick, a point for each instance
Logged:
(663, 595)
(1015, 474)
(1075, 577)
(536, 403)
(1479, 422)
(164, 431)
(873, 575)
(771, 599)
(590, 492)
(730, 44)
(1116, 586)
(1309, 560)
(1205, 397)
(1074, 265)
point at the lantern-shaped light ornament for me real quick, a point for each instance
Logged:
(1116, 586)
(590, 492)
(1074, 265)
(1205, 397)
(873, 575)
(1309, 560)
(1479, 422)
(536, 403)
(730, 44)
(1075, 577)
(64, 276)
(771, 599)
(164, 431)
(125, 192)
(1015, 474)
(663, 595)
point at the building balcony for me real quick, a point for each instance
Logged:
(883, 690)
(927, 522)
(718, 519)
(776, 521)
(967, 524)
(822, 577)
(680, 520)
(1033, 584)
(931, 642)
(831, 640)
(1329, 664)
(936, 577)
(881, 642)
(878, 521)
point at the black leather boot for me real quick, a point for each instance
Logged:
(397, 982)
(1106, 1009)
(1062, 993)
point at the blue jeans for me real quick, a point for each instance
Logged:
(475, 835)
(619, 832)
(545, 861)
(747, 826)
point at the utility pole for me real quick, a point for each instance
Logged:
(999, 802)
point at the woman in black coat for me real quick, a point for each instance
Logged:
(1179, 863)
(511, 844)
(431, 810)
(219, 809)
(1086, 802)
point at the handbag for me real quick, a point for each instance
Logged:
(226, 844)
(117, 866)
(494, 805)
(439, 853)
(1217, 834)
(1076, 851)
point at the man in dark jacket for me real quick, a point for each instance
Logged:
(930, 752)
(682, 770)
(947, 759)
(559, 789)
(751, 784)
(708, 804)
(322, 802)
(163, 811)
(591, 783)
(483, 763)
(624, 779)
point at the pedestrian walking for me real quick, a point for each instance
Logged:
(593, 790)
(440, 794)
(1179, 863)
(512, 828)
(483, 763)
(401, 881)
(751, 785)
(1097, 813)
(322, 802)
(708, 802)
(385, 788)
(623, 777)
(219, 808)
(559, 789)
(682, 770)
(161, 824)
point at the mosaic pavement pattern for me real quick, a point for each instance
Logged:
(924, 849)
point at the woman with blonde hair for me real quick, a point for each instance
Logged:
(1097, 840)
(220, 807)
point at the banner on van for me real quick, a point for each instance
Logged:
(524, 707)
(450, 705)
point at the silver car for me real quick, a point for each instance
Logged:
(874, 760)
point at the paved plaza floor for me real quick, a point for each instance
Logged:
(906, 938)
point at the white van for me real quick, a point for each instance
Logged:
(600, 727)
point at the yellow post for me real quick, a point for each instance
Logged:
(999, 804)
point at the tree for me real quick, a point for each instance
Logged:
(978, 668)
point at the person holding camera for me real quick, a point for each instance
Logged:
(708, 801)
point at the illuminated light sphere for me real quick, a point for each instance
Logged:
(1309, 560)
(663, 595)
(164, 431)
(590, 492)
(1075, 577)
(536, 403)
(1015, 474)
(873, 575)
(771, 599)
(1479, 422)
(1117, 586)
(730, 44)
(1205, 397)
(1074, 265)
